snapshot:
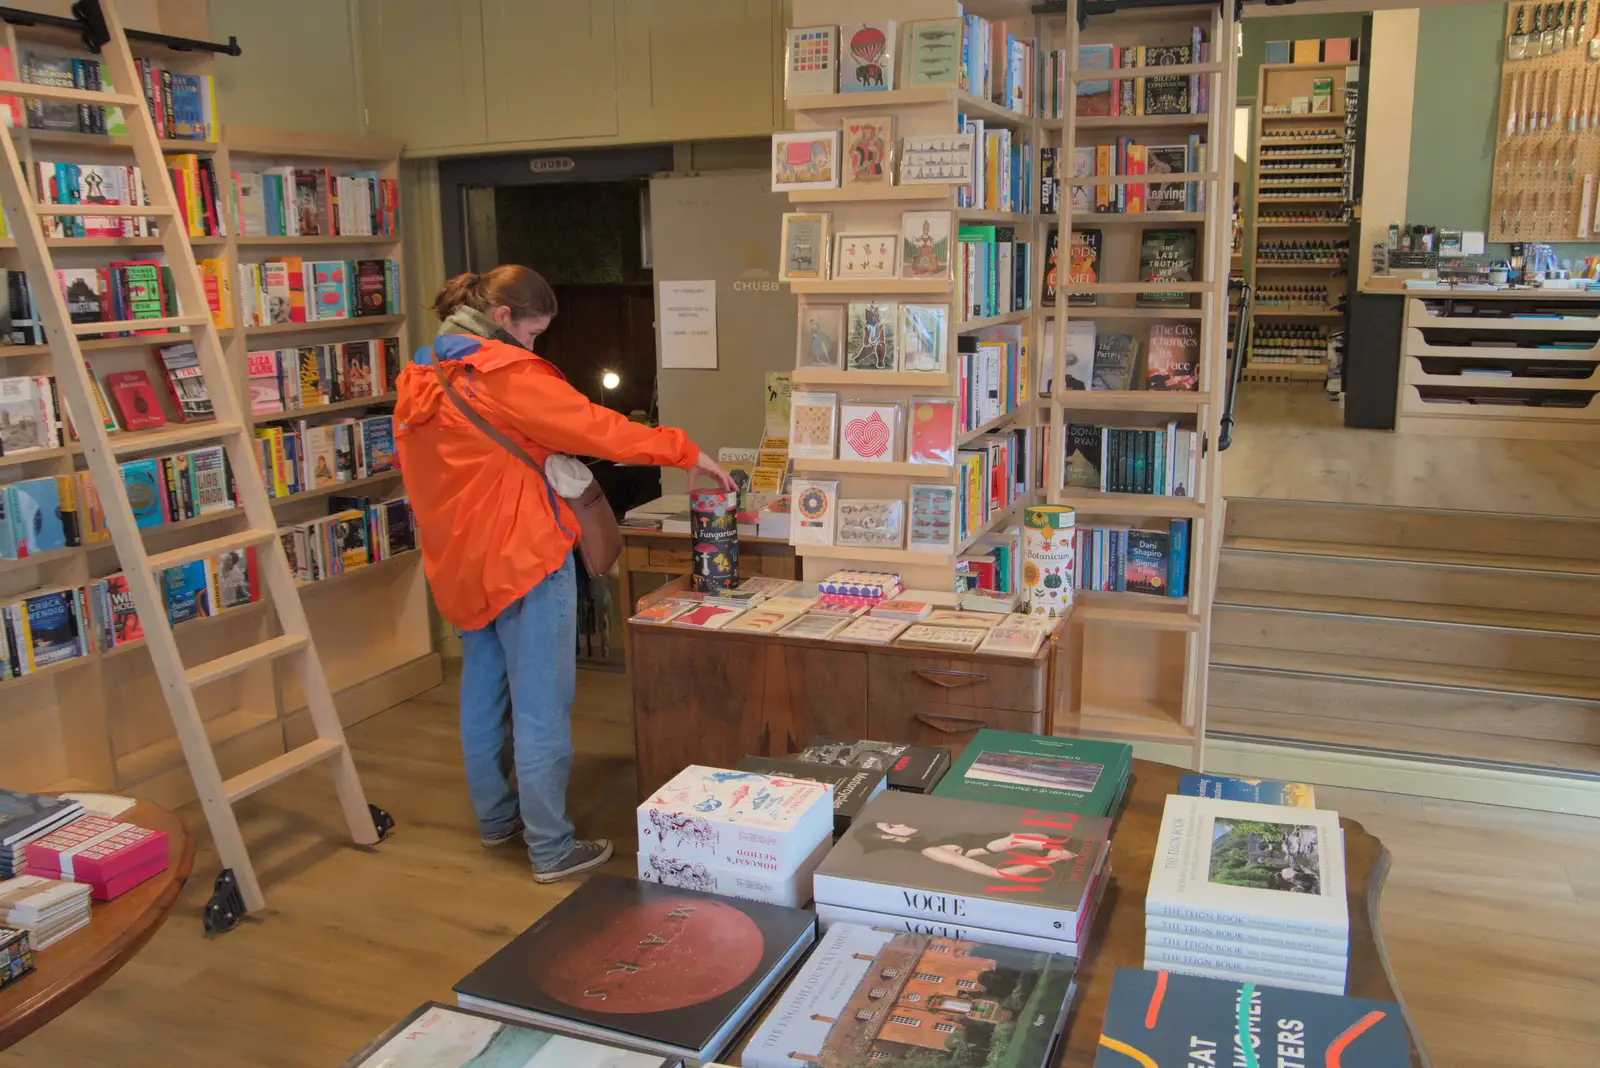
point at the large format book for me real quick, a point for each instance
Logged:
(791, 889)
(1067, 774)
(1000, 867)
(1262, 791)
(1245, 938)
(26, 817)
(1167, 1019)
(736, 819)
(1248, 865)
(1240, 956)
(852, 787)
(915, 768)
(870, 996)
(650, 968)
(437, 1036)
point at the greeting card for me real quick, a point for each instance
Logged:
(867, 55)
(812, 417)
(813, 512)
(939, 158)
(805, 247)
(923, 329)
(925, 244)
(865, 255)
(871, 343)
(806, 160)
(812, 66)
(869, 430)
(931, 438)
(932, 518)
(821, 345)
(871, 524)
(869, 151)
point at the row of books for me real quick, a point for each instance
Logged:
(1164, 256)
(1123, 560)
(357, 532)
(119, 292)
(992, 271)
(309, 456)
(1128, 158)
(1110, 359)
(1148, 460)
(1178, 94)
(311, 375)
(292, 290)
(991, 378)
(315, 202)
(183, 106)
(194, 182)
(1002, 174)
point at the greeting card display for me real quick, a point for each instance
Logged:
(869, 430)
(933, 527)
(811, 61)
(812, 417)
(866, 64)
(937, 159)
(805, 247)
(821, 344)
(923, 329)
(870, 342)
(931, 437)
(814, 511)
(864, 255)
(808, 160)
(869, 151)
(925, 238)
(871, 524)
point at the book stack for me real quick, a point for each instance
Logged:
(736, 833)
(697, 967)
(314, 375)
(917, 768)
(1153, 95)
(1161, 1017)
(1123, 560)
(315, 455)
(1249, 893)
(47, 909)
(437, 1036)
(1022, 877)
(25, 817)
(873, 996)
(293, 290)
(852, 787)
(991, 379)
(109, 857)
(1060, 774)
(16, 955)
(992, 271)
(183, 106)
(193, 180)
(357, 532)
(309, 202)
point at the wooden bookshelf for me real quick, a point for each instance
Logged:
(1139, 663)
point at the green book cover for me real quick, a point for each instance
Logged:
(1065, 774)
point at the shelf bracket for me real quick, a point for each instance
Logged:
(89, 22)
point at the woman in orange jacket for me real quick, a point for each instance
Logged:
(497, 544)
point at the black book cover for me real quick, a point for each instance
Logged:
(662, 964)
(1083, 456)
(852, 787)
(1169, 94)
(917, 768)
(1166, 256)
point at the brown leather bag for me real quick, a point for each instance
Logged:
(599, 538)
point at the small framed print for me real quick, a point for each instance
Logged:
(870, 342)
(925, 238)
(933, 519)
(805, 247)
(937, 159)
(923, 333)
(868, 154)
(821, 338)
(808, 160)
(863, 255)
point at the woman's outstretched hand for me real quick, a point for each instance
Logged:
(708, 467)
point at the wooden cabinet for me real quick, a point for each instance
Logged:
(549, 69)
(422, 70)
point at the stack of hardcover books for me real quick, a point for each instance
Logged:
(25, 817)
(852, 787)
(437, 1036)
(47, 909)
(1249, 893)
(111, 858)
(736, 833)
(656, 969)
(916, 768)
(1064, 774)
(1022, 877)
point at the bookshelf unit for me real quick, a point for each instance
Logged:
(1138, 670)
(917, 111)
(101, 722)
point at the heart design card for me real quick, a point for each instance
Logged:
(869, 430)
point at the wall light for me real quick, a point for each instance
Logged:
(610, 380)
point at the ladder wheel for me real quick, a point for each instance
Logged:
(226, 907)
(382, 822)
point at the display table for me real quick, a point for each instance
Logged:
(72, 967)
(653, 552)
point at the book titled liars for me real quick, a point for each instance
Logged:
(1166, 1019)
(999, 867)
(651, 968)
(736, 819)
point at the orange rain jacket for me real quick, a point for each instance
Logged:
(490, 528)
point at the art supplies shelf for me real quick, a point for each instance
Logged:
(1139, 324)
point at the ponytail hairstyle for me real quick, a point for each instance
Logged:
(522, 289)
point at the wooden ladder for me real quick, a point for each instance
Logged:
(143, 569)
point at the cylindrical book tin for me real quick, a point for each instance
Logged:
(1048, 558)
(714, 532)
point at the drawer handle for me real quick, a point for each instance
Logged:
(950, 679)
(949, 724)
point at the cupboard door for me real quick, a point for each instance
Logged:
(698, 68)
(549, 69)
(422, 71)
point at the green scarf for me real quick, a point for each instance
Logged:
(469, 320)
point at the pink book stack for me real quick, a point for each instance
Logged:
(111, 857)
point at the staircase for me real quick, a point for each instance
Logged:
(1464, 636)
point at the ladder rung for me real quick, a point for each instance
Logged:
(237, 661)
(183, 434)
(280, 767)
(118, 325)
(202, 549)
(142, 211)
(70, 95)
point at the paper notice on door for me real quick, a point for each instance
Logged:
(686, 317)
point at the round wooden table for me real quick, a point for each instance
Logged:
(1118, 938)
(72, 967)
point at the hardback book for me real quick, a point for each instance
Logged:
(869, 631)
(1260, 791)
(142, 480)
(950, 617)
(1247, 939)
(791, 889)
(1167, 95)
(1161, 1017)
(999, 867)
(913, 768)
(1081, 340)
(24, 817)
(1145, 562)
(187, 590)
(922, 635)
(1084, 443)
(818, 626)
(871, 996)
(1052, 268)
(765, 584)
(812, 62)
(851, 787)
(1172, 361)
(185, 382)
(1250, 865)
(867, 53)
(1240, 956)
(1308, 979)
(698, 967)
(736, 819)
(1083, 266)
(1114, 357)
(116, 618)
(43, 515)
(707, 617)
(54, 628)
(1094, 97)
(828, 916)
(1006, 640)
(1082, 196)
(27, 415)
(1166, 159)
(1166, 256)
(135, 399)
(110, 857)
(1067, 774)
(437, 1036)
(910, 611)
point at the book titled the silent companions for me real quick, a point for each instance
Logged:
(1069, 774)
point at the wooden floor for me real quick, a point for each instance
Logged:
(1491, 916)
(1290, 443)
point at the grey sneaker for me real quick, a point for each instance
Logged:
(498, 840)
(584, 856)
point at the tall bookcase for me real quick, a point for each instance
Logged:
(100, 722)
(1141, 661)
(917, 111)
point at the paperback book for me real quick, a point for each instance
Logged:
(1067, 774)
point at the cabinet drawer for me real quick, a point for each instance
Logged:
(935, 681)
(671, 557)
(946, 725)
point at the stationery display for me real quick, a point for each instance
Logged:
(714, 535)
(1048, 558)
(48, 909)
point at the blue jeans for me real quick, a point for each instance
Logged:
(517, 680)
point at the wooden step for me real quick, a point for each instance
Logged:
(69, 95)
(51, 211)
(1546, 537)
(1383, 669)
(170, 438)
(119, 325)
(279, 768)
(203, 549)
(1422, 612)
(237, 661)
(1420, 642)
